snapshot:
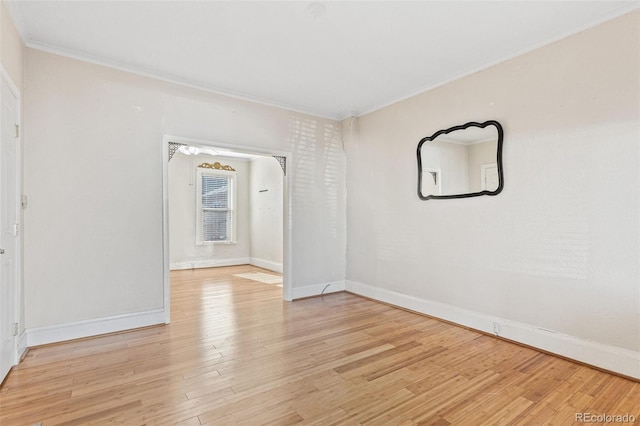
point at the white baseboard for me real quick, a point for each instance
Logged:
(317, 289)
(77, 330)
(209, 263)
(266, 264)
(612, 358)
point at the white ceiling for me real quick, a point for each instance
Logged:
(332, 59)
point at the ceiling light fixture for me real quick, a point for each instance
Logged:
(189, 150)
(316, 9)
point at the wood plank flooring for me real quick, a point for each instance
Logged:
(236, 354)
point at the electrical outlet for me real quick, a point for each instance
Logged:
(496, 328)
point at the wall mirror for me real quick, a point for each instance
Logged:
(462, 161)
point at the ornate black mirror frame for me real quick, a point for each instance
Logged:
(452, 129)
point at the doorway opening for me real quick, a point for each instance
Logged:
(225, 205)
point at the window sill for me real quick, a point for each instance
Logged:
(215, 243)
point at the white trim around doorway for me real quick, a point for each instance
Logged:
(18, 347)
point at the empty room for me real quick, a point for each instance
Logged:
(319, 212)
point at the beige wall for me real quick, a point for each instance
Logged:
(11, 47)
(93, 173)
(266, 213)
(559, 248)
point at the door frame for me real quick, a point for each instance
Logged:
(287, 291)
(483, 174)
(19, 343)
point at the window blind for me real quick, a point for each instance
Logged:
(216, 212)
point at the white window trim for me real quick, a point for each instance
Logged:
(232, 207)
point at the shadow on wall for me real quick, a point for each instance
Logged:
(317, 162)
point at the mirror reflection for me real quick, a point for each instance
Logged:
(462, 161)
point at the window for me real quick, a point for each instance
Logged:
(215, 199)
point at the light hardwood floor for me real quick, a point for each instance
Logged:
(235, 353)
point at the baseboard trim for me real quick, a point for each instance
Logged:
(94, 327)
(266, 264)
(209, 263)
(607, 357)
(318, 289)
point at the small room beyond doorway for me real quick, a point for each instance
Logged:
(225, 208)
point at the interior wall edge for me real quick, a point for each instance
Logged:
(22, 344)
(94, 327)
(266, 264)
(607, 357)
(318, 289)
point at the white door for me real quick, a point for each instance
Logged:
(8, 227)
(489, 178)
